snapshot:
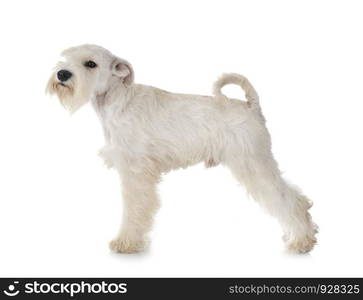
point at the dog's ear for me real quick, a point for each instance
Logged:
(123, 69)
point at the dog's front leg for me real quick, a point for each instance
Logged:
(140, 205)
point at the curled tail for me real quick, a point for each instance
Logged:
(233, 78)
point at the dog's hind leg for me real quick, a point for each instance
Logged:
(140, 205)
(263, 181)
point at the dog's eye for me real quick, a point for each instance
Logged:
(90, 64)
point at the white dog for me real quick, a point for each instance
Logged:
(149, 131)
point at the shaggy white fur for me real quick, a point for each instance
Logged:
(149, 131)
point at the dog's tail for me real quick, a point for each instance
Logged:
(233, 78)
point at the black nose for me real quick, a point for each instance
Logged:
(64, 75)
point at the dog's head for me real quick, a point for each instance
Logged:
(87, 71)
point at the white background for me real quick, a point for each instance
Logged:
(59, 206)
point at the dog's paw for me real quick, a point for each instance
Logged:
(300, 245)
(302, 242)
(127, 246)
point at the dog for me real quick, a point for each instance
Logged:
(150, 131)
